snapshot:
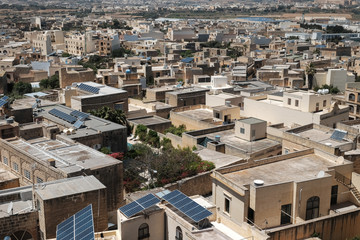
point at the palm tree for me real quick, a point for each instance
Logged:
(113, 115)
(310, 72)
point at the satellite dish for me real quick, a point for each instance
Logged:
(320, 174)
(10, 208)
(7, 238)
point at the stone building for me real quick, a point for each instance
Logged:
(72, 74)
(284, 191)
(186, 97)
(81, 99)
(95, 132)
(295, 107)
(28, 213)
(40, 160)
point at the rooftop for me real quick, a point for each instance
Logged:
(218, 158)
(187, 90)
(293, 169)
(198, 114)
(103, 90)
(251, 120)
(93, 124)
(69, 158)
(71, 187)
(147, 121)
(229, 138)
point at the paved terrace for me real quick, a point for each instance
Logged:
(298, 169)
(68, 158)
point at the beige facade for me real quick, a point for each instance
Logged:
(79, 44)
(336, 77)
(250, 129)
(248, 193)
(278, 109)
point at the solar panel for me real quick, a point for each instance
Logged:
(79, 115)
(78, 124)
(35, 105)
(5, 98)
(187, 206)
(88, 88)
(62, 115)
(2, 102)
(163, 193)
(139, 205)
(78, 226)
(338, 135)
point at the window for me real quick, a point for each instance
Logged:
(16, 167)
(143, 231)
(6, 161)
(351, 97)
(194, 101)
(296, 103)
(289, 101)
(27, 174)
(227, 205)
(179, 235)
(39, 180)
(253, 133)
(242, 130)
(324, 103)
(285, 214)
(312, 208)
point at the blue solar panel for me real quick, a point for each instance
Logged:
(88, 88)
(187, 206)
(78, 124)
(78, 226)
(338, 135)
(5, 98)
(80, 115)
(2, 102)
(62, 115)
(139, 205)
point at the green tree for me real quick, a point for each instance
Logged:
(52, 82)
(113, 115)
(153, 139)
(120, 52)
(105, 150)
(176, 130)
(21, 88)
(65, 54)
(310, 71)
(141, 132)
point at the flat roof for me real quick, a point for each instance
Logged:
(71, 187)
(198, 114)
(5, 175)
(229, 138)
(187, 90)
(322, 137)
(297, 169)
(103, 90)
(29, 101)
(218, 158)
(251, 120)
(147, 121)
(69, 158)
(93, 124)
